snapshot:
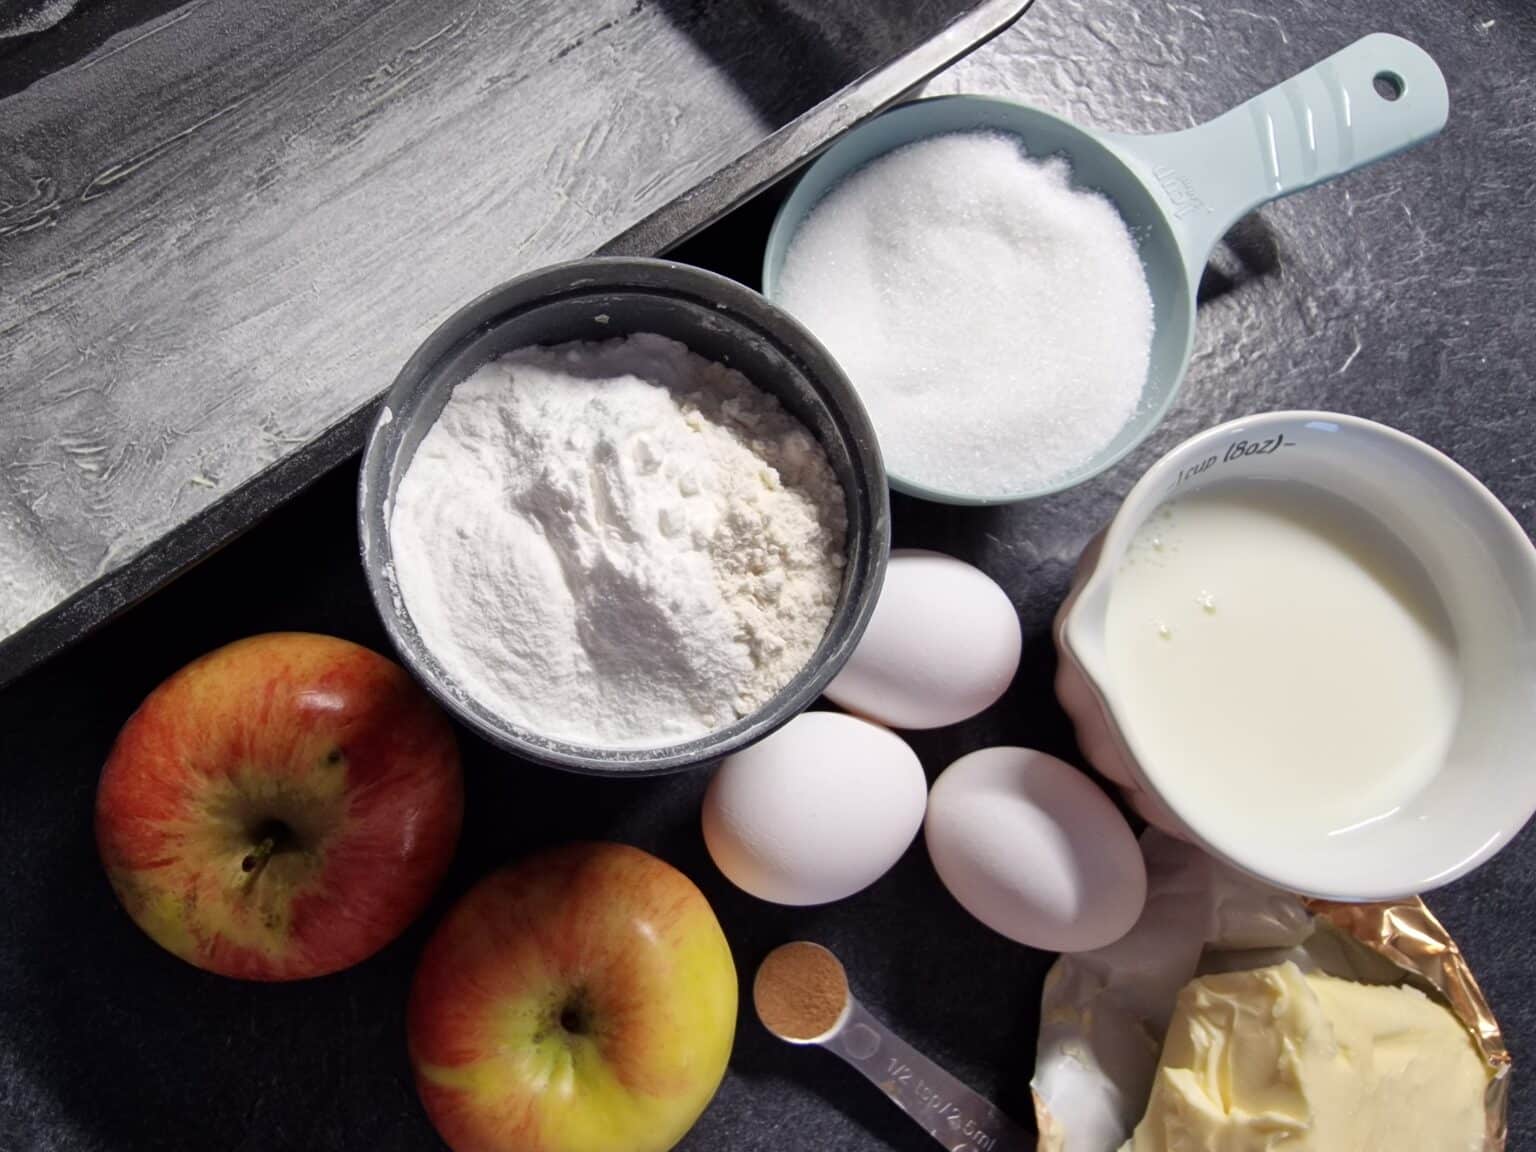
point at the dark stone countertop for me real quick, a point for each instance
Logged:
(1399, 293)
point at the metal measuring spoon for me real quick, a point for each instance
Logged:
(801, 994)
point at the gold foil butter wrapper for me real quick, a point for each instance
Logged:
(1407, 934)
(1104, 1013)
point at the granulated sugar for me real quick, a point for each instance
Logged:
(995, 320)
(618, 544)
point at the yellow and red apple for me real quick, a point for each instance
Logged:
(281, 808)
(581, 1001)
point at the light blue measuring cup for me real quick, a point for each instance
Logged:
(1178, 192)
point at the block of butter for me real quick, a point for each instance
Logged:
(1275, 1058)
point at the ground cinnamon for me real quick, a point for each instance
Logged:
(801, 991)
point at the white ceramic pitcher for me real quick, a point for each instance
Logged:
(1482, 567)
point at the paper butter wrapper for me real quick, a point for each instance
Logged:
(1104, 1013)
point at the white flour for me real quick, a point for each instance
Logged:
(620, 544)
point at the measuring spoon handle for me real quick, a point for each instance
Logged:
(958, 1118)
(1375, 98)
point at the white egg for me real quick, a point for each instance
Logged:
(818, 810)
(1035, 850)
(942, 645)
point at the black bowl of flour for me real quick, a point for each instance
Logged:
(601, 300)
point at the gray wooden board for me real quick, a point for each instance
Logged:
(225, 226)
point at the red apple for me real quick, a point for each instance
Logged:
(280, 808)
(581, 1001)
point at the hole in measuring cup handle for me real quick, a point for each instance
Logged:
(1389, 85)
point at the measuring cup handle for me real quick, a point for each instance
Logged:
(1375, 98)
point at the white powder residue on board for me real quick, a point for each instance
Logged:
(26, 17)
(618, 544)
(995, 319)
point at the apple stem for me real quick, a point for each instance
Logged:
(259, 855)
